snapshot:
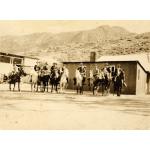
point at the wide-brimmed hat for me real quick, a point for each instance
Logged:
(81, 64)
(106, 64)
(118, 65)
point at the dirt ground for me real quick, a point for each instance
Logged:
(31, 110)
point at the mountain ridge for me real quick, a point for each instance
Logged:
(69, 46)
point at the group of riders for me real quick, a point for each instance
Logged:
(40, 75)
(103, 77)
(97, 76)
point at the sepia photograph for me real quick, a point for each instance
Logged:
(74, 74)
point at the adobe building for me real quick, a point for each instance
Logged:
(136, 67)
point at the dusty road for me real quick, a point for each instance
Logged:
(26, 110)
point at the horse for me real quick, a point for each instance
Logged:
(64, 79)
(118, 83)
(44, 78)
(15, 77)
(55, 80)
(34, 80)
(107, 82)
(102, 80)
(90, 80)
(79, 81)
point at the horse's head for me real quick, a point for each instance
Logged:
(91, 74)
(78, 74)
(55, 73)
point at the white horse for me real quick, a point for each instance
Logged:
(34, 80)
(90, 80)
(79, 81)
(63, 80)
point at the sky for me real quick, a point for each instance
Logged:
(19, 27)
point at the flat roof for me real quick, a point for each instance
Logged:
(109, 62)
(142, 58)
(14, 55)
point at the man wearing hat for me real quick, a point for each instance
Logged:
(96, 71)
(45, 67)
(54, 68)
(15, 68)
(118, 70)
(37, 66)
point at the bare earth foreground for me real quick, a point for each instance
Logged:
(26, 110)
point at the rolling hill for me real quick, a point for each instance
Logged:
(70, 46)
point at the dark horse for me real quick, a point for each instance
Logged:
(55, 80)
(104, 83)
(43, 81)
(99, 83)
(118, 83)
(15, 77)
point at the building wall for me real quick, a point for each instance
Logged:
(29, 61)
(29, 64)
(141, 81)
(148, 83)
(5, 68)
(129, 67)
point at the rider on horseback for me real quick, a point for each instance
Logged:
(96, 72)
(37, 67)
(45, 68)
(15, 68)
(120, 72)
(107, 71)
(82, 70)
(65, 70)
(54, 69)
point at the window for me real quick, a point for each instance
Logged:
(17, 61)
(4, 59)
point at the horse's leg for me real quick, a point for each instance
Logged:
(81, 89)
(97, 89)
(62, 87)
(93, 90)
(35, 84)
(102, 89)
(51, 88)
(77, 89)
(37, 88)
(108, 88)
(19, 86)
(40, 87)
(31, 87)
(118, 90)
(10, 86)
(114, 89)
(14, 86)
(56, 88)
(61, 84)
(46, 87)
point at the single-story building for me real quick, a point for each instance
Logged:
(136, 66)
(7, 61)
